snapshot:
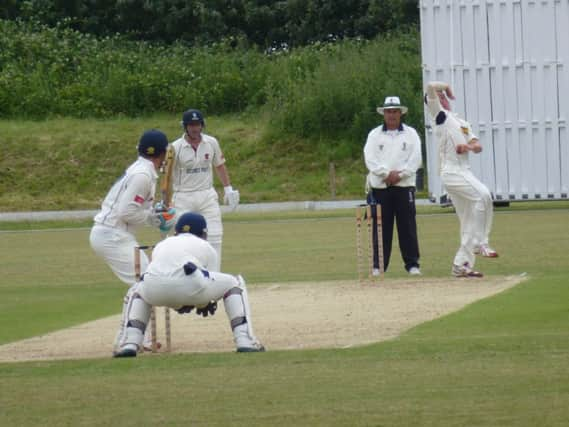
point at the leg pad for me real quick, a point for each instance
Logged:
(134, 323)
(238, 321)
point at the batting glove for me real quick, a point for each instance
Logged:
(167, 219)
(160, 207)
(231, 197)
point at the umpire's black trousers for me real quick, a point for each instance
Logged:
(397, 205)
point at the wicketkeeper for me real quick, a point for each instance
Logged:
(179, 277)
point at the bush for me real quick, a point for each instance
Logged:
(58, 71)
(335, 98)
(326, 93)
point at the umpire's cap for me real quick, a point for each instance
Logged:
(152, 143)
(192, 223)
(192, 116)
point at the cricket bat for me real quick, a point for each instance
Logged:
(166, 181)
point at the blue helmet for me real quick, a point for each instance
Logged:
(192, 116)
(152, 143)
(192, 223)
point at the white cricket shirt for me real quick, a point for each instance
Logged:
(450, 131)
(128, 203)
(193, 168)
(170, 255)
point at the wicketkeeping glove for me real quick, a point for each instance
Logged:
(185, 309)
(231, 197)
(208, 309)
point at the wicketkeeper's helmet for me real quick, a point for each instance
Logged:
(152, 143)
(192, 116)
(193, 223)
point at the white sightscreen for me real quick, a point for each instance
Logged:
(508, 63)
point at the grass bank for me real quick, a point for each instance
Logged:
(69, 164)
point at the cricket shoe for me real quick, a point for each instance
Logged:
(414, 271)
(464, 270)
(125, 352)
(486, 251)
(256, 348)
(147, 346)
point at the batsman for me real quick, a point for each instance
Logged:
(128, 205)
(189, 176)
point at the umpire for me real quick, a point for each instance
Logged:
(392, 156)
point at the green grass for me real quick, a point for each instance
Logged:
(499, 362)
(75, 161)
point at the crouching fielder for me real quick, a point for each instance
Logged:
(178, 277)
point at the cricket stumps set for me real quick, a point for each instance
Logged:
(368, 242)
(153, 322)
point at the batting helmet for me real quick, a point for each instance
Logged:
(192, 223)
(192, 116)
(152, 143)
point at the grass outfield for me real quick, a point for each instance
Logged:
(499, 362)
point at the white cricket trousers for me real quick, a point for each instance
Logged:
(116, 247)
(177, 290)
(206, 203)
(473, 204)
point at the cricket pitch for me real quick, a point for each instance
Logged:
(304, 315)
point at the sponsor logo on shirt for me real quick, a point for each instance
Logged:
(139, 199)
(197, 170)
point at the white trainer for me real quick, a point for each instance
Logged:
(129, 350)
(147, 346)
(256, 347)
(375, 272)
(414, 271)
(486, 251)
(465, 271)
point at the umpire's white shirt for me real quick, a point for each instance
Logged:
(128, 204)
(389, 150)
(193, 168)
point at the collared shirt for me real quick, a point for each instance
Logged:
(450, 131)
(392, 150)
(193, 168)
(170, 255)
(128, 203)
